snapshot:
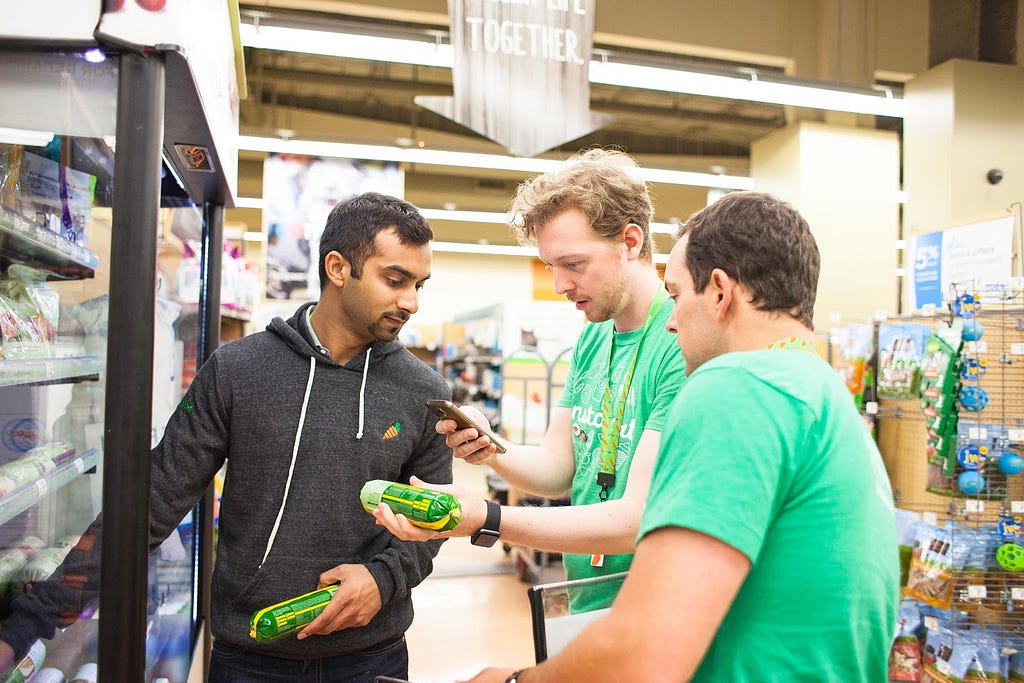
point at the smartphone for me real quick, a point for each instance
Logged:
(446, 410)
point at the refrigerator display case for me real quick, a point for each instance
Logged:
(108, 112)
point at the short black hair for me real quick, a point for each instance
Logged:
(353, 224)
(761, 242)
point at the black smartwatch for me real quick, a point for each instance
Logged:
(489, 533)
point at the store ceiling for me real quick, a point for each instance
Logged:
(294, 94)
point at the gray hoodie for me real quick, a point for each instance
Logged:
(300, 434)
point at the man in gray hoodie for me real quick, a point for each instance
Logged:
(303, 414)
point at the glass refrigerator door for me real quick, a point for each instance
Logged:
(57, 147)
(173, 566)
(56, 161)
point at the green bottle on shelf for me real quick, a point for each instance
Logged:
(285, 618)
(423, 507)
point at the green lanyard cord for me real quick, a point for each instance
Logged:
(611, 417)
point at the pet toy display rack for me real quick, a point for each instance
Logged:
(954, 457)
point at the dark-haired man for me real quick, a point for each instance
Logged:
(299, 413)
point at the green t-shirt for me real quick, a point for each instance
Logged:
(656, 380)
(767, 453)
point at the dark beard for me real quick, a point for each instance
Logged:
(381, 332)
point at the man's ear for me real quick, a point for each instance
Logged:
(337, 268)
(724, 289)
(633, 237)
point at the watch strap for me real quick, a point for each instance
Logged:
(491, 530)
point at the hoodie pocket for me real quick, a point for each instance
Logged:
(281, 577)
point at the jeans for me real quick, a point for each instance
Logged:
(230, 664)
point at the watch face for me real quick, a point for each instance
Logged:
(485, 538)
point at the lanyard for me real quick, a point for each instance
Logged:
(793, 343)
(611, 417)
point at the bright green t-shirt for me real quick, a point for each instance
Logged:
(656, 380)
(766, 452)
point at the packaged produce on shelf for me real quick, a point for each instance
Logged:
(11, 157)
(32, 662)
(49, 675)
(36, 462)
(22, 334)
(85, 674)
(52, 454)
(18, 473)
(285, 618)
(41, 566)
(424, 508)
(32, 282)
(56, 196)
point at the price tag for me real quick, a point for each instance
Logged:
(1017, 349)
(943, 667)
(1017, 593)
(930, 517)
(79, 465)
(931, 623)
(42, 486)
(1017, 506)
(871, 408)
(1015, 435)
(973, 505)
(977, 433)
(976, 592)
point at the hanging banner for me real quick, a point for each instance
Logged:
(976, 257)
(521, 73)
(298, 194)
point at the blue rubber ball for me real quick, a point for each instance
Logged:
(970, 482)
(973, 398)
(973, 330)
(1011, 463)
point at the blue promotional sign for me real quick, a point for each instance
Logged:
(927, 270)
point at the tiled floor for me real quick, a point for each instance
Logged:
(472, 612)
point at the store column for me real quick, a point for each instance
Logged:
(845, 181)
(963, 143)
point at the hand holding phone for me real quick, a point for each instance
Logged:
(446, 410)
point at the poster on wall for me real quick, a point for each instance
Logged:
(299, 193)
(977, 256)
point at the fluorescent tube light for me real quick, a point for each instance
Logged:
(490, 217)
(738, 87)
(500, 250)
(249, 202)
(749, 88)
(353, 46)
(495, 217)
(415, 155)
(29, 138)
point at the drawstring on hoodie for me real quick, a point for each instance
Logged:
(295, 453)
(362, 393)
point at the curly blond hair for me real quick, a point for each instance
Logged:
(604, 184)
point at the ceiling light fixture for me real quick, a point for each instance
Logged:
(489, 217)
(746, 85)
(499, 250)
(29, 138)
(436, 157)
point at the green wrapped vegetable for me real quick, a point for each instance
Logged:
(285, 618)
(424, 508)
